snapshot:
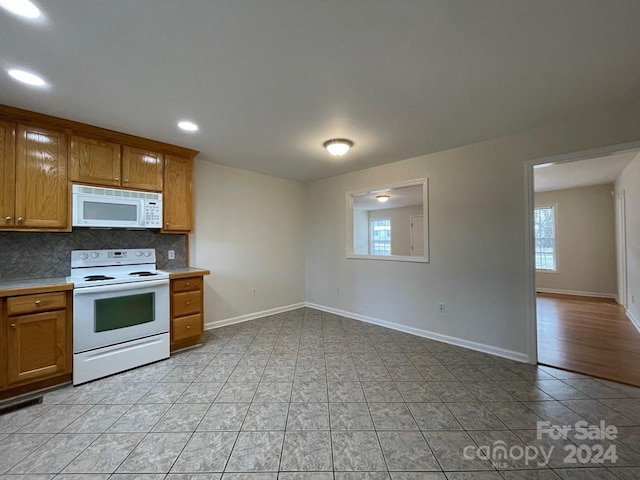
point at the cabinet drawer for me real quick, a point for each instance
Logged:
(186, 303)
(40, 302)
(186, 284)
(186, 327)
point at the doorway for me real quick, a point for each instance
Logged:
(575, 320)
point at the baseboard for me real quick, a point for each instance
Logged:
(633, 319)
(577, 293)
(459, 342)
(252, 316)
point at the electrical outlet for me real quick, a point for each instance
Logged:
(441, 307)
(253, 292)
(171, 255)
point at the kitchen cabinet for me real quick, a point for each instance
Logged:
(40, 189)
(35, 347)
(7, 173)
(142, 169)
(187, 319)
(178, 194)
(93, 161)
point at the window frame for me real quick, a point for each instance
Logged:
(380, 219)
(390, 258)
(554, 208)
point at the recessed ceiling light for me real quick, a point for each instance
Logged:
(338, 146)
(188, 126)
(26, 77)
(22, 8)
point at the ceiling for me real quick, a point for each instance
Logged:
(398, 197)
(269, 81)
(582, 173)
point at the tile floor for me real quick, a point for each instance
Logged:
(306, 395)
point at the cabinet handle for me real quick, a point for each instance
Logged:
(20, 219)
(13, 325)
(37, 302)
(126, 180)
(7, 219)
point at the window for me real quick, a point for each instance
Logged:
(545, 238)
(380, 236)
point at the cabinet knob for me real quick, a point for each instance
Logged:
(188, 284)
(20, 219)
(37, 302)
(7, 219)
(13, 325)
(126, 180)
(167, 224)
(188, 327)
(116, 178)
(188, 303)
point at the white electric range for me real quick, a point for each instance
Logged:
(120, 311)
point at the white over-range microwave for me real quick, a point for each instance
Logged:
(115, 208)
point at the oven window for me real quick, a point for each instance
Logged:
(122, 312)
(109, 211)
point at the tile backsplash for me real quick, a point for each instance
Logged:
(48, 254)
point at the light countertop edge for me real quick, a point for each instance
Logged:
(34, 285)
(184, 272)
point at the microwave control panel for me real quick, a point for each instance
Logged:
(153, 214)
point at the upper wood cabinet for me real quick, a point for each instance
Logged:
(142, 169)
(7, 173)
(177, 198)
(94, 161)
(41, 189)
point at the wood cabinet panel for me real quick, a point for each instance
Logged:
(142, 169)
(40, 302)
(178, 194)
(7, 173)
(36, 346)
(186, 327)
(186, 284)
(41, 178)
(186, 303)
(93, 161)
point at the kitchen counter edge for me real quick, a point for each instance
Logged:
(35, 285)
(185, 272)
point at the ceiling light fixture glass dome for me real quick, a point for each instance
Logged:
(338, 146)
(383, 197)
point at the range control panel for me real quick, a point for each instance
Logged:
(127, 256)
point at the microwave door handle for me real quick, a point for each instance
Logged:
(120, 287)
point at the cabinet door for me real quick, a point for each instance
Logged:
(92, 161)
(7, 173)
(41, 178)
(177, 198)
(36, 346)
(142, 169)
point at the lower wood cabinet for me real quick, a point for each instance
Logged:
(36, 345)
(187, 312)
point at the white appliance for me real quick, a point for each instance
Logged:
(111, 207)
(120, 311)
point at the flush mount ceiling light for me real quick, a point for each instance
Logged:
(22, 8)
(338, 146)
(26, 77)
(188, 126)
(383, 197)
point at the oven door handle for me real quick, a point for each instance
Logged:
(120, 287)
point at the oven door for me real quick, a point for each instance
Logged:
(98, 211)
(112, 314)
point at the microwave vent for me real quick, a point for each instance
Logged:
(112, 192)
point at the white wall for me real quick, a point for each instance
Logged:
(400, 226)
(629, 182)
(477, 236)
(250, 234)
(585, 240)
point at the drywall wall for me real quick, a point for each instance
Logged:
(477, 237)
(585, 240)
(250, 234)
(629, 183)
(400, 226)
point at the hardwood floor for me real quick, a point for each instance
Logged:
(588, 335)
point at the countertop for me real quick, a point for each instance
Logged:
(34, 285)
(183, 272)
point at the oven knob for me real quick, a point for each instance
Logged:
(84, 256)
(139, 253)
(147, 254)
(95, 254)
